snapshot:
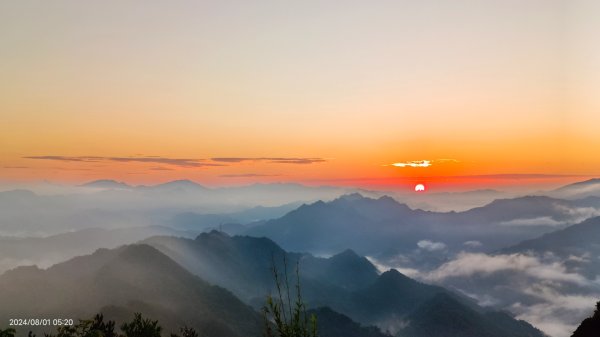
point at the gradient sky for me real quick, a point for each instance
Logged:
(230, 92)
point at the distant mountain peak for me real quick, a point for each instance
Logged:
(593, 181)
(346, 253)
(387, 198)
(106, 183)
(182, 182)
(352, 197)
(213, 234)
(394, 276)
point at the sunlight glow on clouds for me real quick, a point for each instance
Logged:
(423, 163)
(414, 163)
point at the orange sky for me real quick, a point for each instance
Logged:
(331, 95)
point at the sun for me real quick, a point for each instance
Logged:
(419, 188)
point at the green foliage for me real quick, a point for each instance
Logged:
(290, 320)
(141, 327)
(10, 332)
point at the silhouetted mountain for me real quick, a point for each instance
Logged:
(590, 327)
(241, 264)
(333, 324)
(529, 207)
(183, 185)
(392, 295)
(346, 270)
(345, 282)
(349, 221)
(443, 316)
(576, 239)
(107, 183)
(450, 201)
(590, 187)
(385, 227)
(579, 244)
(122, 281)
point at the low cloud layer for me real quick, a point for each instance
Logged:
(471, 264)
(557, 314)
(540, 289)
(539, 221)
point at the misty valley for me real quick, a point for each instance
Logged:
(197, 260)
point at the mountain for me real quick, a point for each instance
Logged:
(536, 278)
(119, 282)
(174, 186)
(244, 265)
(350, 221)
(578, 244)
(229, 222)
(441, 316)
(107, 184)
(590, 187)
(383, 227)
(334, 324)
(576, 239)
(450, 201)
(346, 282)
(347, 270)
(590, 327)
(46, 251)
(391, 296)
(107, 203)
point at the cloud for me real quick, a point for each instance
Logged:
(539, 221)
(578, 214)
(414, 163)
(431, 246)
(484, 300)
(179, 162)
(183, 162)
(424, 163)
(574, 215)
(473, 244)
(68, 158)
(536, 288)
(247, 175)
(471, 264)
(274, 160)
(556, 314)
